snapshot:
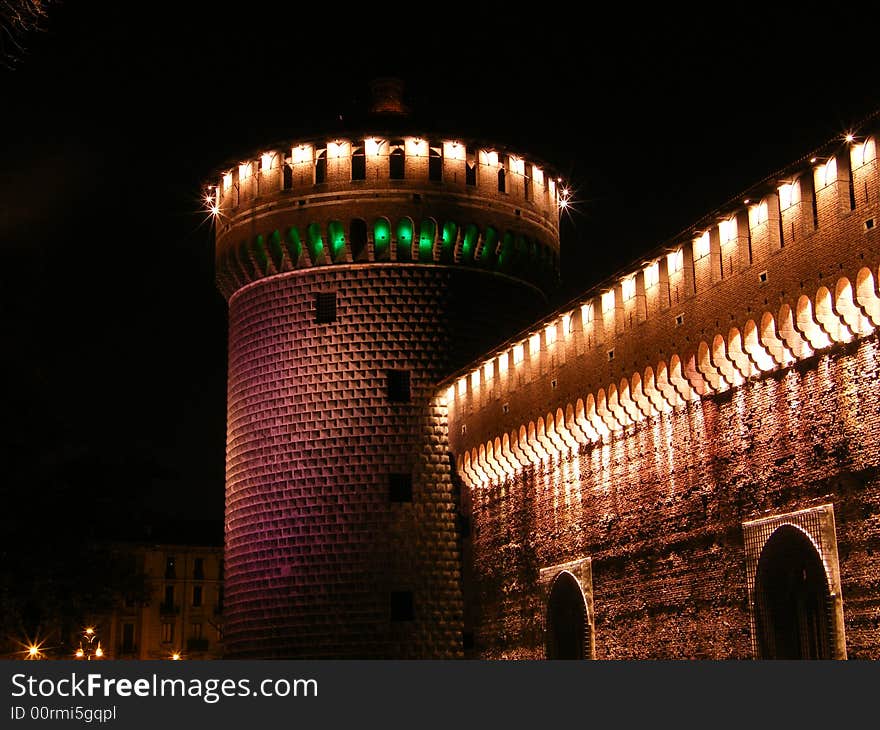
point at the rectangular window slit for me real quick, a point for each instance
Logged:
(399, 386)
(400, 487)
(325, 307)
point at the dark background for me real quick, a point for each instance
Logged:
(113, 333)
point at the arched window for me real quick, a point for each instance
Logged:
(469, 243)
(259, 255)
(275, 250)
(315, 242)
(435, 165)
(567, 632)
(294, 246)
(427, 234)
(336, 234)
(286, 177)
(397, 164)
(382, 239)
(404, 239)
(505, 253)
(488, 251)
(321, 167)
(358, 237)
(358, 164)
(447, 243)
(502, 181)
(792, 617)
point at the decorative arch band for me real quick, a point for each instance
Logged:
(402, 240)
(768, 342)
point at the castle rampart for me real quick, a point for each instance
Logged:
(673, 429)
(791, 273)
(385, 198)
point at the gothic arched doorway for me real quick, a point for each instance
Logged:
(567, 624)
(792, 599)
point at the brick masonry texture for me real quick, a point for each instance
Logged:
(314, 546)
(659, 509)
(656, 501)
(645, 439)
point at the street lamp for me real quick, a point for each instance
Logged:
(88, 648)
(32, 650)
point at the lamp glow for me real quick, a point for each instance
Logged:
(727, 230)
(787, 196)
(758, 214)
(453, 151)
(301, 153)
(701, 246)
(826, 174)
(534, 344)
(371, 146)
(652, 274)
(607, 301)
(566, 324)
(586, 313)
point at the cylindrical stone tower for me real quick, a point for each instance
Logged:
(360, 270)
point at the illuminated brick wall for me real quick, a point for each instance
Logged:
(321, 561)
(639, 428)
(659, 510)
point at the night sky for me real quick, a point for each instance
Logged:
(113, 333)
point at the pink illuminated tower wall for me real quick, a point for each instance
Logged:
(360, 271)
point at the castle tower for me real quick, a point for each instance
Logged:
(360, 269)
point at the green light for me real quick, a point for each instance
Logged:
(294, 246)
(426, 240)
(447, 248)
(505, 254)
(487, 253)
(336, 233)
(469, 243)
(258, 248)
(381, 239)
(404, 239)
(275, 249)
(315, 242)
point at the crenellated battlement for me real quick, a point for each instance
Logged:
(782, 273)
(366, 198)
